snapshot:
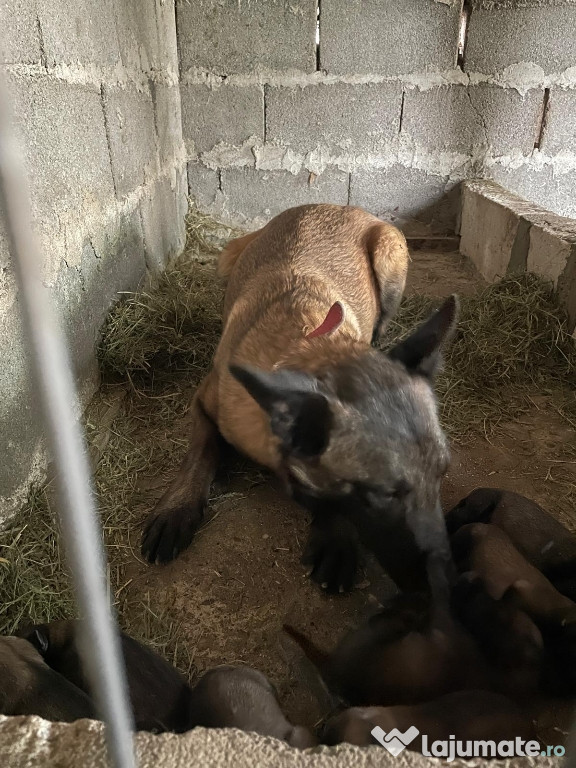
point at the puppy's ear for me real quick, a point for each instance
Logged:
(421, 351)
(299, 415)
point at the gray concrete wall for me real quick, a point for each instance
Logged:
(383, 112)
(97, 107)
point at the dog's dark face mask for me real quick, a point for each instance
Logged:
(366, 434)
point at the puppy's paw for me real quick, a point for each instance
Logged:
(167, 533)
(333, 561)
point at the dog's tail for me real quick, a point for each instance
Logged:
(313, 666)
(232, 253)
(316, 655)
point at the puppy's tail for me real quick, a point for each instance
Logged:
(314, 669)
(316, 655)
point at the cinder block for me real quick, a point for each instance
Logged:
(353, 118)
(251, 195)
(227, 114)
(131, 136)
(163, 210)
(567, 290)
(112, 261)
(203, 184)
(20, 38)
(168, 45)
(405, 196)
(62, 131)
(459, 118)
(543, 34)
(137, 34)
(168, 119)
(387, 37)
(489, 226)
(560, 126)
(227, 36)
(500, 232)
(19, 417)
(543, 186)
(74, 32)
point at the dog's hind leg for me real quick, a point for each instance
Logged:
(388, 254)
(170, 528)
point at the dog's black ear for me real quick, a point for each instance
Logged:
(421, 352)
(299, 415)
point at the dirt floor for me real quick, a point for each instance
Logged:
(242, 578)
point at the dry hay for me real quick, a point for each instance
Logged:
(511, 343)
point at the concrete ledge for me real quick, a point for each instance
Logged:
(503, 233)
(31, 741)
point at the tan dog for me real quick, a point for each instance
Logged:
(296, 386)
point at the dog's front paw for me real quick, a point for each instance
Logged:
(333, 560)
(169, 532)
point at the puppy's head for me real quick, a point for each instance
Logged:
(364, 432)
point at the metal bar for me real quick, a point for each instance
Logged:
(99, 640)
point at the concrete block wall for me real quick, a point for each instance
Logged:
(377, 103)
(96, 103)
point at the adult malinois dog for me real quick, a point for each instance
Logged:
(297, 386)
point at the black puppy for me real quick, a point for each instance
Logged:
(159, 694)
(162, 700)
(30, 687)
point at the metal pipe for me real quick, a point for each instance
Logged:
(99, 640)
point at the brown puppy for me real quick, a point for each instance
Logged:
(161, 699)
(489, 551)
(467, 715)
(297, 386)
(239, 697)
(509, 640)
(399, 656)
(30, 687)
(543, 541)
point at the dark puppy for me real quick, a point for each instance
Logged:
(509, 640)
(162, 700)
(543, 541)
(240, 697)
(30, 687)
(467, 715)
(159, 694)
(402, 655)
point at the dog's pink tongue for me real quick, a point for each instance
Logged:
(331, 322)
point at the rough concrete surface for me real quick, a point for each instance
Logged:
(131, 137)
(399, 193)
(505, 34)
(560, 127)
(228, 36)
(30, 741)
(500, 232)
(361, 117)
(252, 196)
(108, 186)
(460, 117)
(72, 32)
(226, 114)
(20, 39)
(545, 185)
(387, 37)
